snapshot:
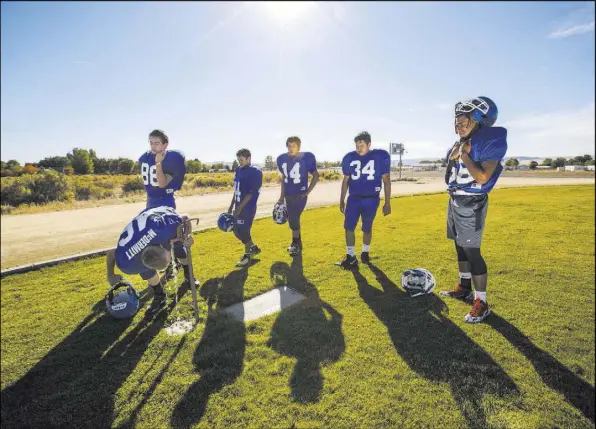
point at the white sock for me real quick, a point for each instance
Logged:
(481, 295)
(365, 247)
(350, 250)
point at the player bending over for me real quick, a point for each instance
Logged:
(145, 247)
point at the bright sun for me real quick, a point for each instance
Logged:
(285, 11)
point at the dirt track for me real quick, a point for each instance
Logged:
(38, 237)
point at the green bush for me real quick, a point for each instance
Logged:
(133, 184)
(330, 175)
(270, 177)
(214, 180)
(37, 189)
(92, 192)
(6, 209)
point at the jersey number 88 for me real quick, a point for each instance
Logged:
(149, 175)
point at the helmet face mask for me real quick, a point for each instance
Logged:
(226, 222)
(280, 213)
(418, 282)
(480, 109)
(124, 304)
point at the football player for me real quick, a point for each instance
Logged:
(295, 166)
(364, 170)
(474, 166)
(247, 186)
(145, 247)
(162, 171)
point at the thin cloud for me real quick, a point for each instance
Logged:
(579, 20)
(572, 31)
(547, 134)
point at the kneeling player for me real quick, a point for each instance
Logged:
(364, 171)
(295, 167)
(145, 247)
(247, 186)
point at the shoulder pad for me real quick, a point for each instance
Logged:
(177, 153)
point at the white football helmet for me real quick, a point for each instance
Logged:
(418, 282)
(280, 213)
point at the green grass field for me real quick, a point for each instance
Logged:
(359, 353)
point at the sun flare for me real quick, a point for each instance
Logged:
(285, 11)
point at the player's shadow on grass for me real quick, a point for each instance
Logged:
(219, 356)
(75, 383)
(310, 331)
(436, 348)
(554, 374)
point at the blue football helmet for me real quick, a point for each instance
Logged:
(481, 109)
(280, 213)
(226, 222)
(125, 303)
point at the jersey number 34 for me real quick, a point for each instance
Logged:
(369, 169)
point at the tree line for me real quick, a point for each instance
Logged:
(554, 163)
(84, 161)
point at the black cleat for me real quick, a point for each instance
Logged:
(349, 263)
(254, 250)
(244, 261)
(365, 258)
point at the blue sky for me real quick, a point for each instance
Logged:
(221, 76)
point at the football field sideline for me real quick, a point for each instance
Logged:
(357, 353)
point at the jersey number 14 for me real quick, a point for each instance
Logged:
(294, 173)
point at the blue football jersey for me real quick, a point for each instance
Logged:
(488, 144)
(247, 180)
(152, 226)
(173, 165)
(366, 172)
(295, 171)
